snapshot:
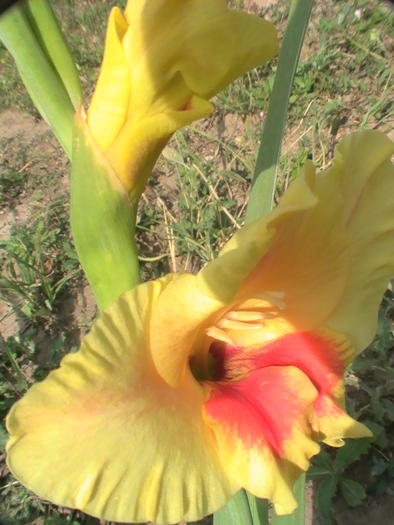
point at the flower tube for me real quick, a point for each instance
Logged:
(193, 386)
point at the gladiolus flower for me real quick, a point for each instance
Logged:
(163, 61)
(193, 386)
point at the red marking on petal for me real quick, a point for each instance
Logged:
(323, 360)
(323, 408)
(262, 408)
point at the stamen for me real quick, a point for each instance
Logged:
(229, 324)
(220, 335)
(253, 305)
(247, 316)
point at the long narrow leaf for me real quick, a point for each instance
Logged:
(236, 512)
(48, 33)
(264, 181)
(259, 510)
(38, 75)
(298, 516)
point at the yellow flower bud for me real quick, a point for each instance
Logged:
(162, 63)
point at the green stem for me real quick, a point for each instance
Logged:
(102, 221)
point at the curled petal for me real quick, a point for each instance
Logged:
(105, 434)
(205, 42)
(333, 424)
(140, 142)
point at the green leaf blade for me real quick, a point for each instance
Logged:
(264, 181)
(351, 452)
(236, 512)
(352, 491)
(325, 495)
(298, 516)
(40, 78)
(47, 30)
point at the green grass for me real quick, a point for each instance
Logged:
(38, 264)
(195, 200)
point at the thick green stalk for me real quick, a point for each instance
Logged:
(40, 78)
(267, 164)
(48, 33)
(102, 221)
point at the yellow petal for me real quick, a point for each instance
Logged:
(299, 249)
(136, 149)
(203, 41)
(308, 260)
(108, 109)
(222, 277)
(179, 320)
(105, 434)
(261, 424)
(365, 177)
(161, 65)
(332, 424)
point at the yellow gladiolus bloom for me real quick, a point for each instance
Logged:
(193, 386)
(163, 61)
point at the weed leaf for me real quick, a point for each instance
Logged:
(326, 492)
(350, 453)
(3, 437)
(352, 491)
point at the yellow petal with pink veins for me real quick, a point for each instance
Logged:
(106, 435)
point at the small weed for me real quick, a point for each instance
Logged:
(38, 264)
